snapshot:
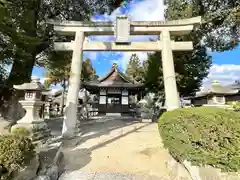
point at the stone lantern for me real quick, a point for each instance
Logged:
(32, 103)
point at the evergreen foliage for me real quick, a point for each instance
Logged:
(15, 152)
(134, 70)
(58, 69)
(26, 37)
(203, 136)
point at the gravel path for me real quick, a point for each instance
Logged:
(80, 175)
(115, 145)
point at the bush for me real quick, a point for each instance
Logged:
(15, 152)
(203, 136)
(235, 105)
(21, 131)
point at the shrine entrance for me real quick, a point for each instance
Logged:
(113, 100)
(122, 28)
(113, 103)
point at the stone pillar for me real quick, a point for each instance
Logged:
(170, 86)
(70, 116)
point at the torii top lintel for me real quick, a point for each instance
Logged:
(175, 27)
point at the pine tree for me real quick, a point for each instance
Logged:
(134, 70)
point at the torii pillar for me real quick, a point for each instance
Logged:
(169, 75)
(70, 115)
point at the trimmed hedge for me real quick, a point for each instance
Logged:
(15, 152)
(203, 136)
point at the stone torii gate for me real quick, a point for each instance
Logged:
(122, 28)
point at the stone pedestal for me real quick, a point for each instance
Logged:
(32, 122)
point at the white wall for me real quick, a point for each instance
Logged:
(124, 98)
(102, 100)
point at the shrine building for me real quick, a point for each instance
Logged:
(114, 91)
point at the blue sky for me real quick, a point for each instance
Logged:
(226, 65)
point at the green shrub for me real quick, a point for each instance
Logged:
(203, 136)
(15, 152)
(235, 105)
(22, 131)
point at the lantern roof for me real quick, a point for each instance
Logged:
(35, 84)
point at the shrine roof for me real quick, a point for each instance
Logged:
(114, 78)
(217, 89)
(113, 84)
(114, 75)
(234, 86)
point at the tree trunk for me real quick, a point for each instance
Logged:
(21, 72)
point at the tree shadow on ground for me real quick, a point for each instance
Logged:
(116, 138)
(89, 130)
(55, 125)
(76, 158)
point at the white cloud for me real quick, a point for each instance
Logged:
(148, 10)
(127, 55)
(225, 74)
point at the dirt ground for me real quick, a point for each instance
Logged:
(117, 146)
